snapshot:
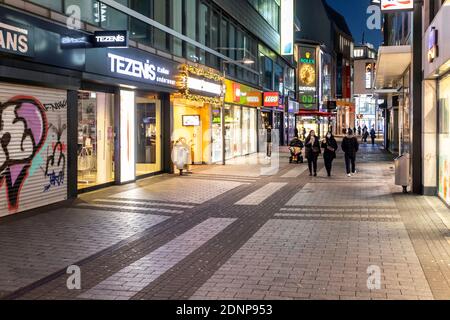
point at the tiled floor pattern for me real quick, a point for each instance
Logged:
(130, 280)
(261, 194)
(320, 260)
(36, 246)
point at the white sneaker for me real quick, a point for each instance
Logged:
(349, 175)
(354, 172)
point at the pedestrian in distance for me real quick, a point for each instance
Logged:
(330, 147)
(373, 135)
(365, 134)
(359, 131)
(312, 152)
(269, 143)
(350, 146)
(304, 133)
(296, 133)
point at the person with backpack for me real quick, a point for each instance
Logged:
(330, 147)
(350, 146)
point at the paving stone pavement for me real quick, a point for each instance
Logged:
(248, 230)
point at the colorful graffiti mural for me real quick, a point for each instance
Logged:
(56, 162)
(23, 131)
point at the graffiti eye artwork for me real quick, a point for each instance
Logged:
(23, 131)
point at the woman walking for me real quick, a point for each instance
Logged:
(330, 145)
(312, 152)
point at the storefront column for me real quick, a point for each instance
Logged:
(72, 144)
(166, 131)
(222, 124)
(430, 140)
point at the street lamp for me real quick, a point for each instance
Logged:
(240, 63)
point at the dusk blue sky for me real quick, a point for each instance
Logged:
(354, 12)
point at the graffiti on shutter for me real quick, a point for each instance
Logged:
(32, 147)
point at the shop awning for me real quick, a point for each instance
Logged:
(392, 63)
(314, 113)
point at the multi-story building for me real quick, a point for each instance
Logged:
(366, 102)
(325, 51)
(99, 110)
(399, 78)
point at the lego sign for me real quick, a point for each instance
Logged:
(397, 5)
(271, 99)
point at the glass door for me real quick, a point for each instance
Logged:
(148, 135)
(216, 134)
(95, 139)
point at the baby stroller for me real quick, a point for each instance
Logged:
(295, 147)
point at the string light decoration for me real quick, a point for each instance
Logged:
(189, 70)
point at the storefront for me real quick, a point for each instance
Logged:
(320, 122)
(77, 119)
(436, 89)
(123, 121)
(444, 138)
(197, 113)
(270, 115)
(35, 159)
(241, 109)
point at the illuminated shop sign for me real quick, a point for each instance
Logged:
(271, 99)
(201, 84)
(132, 64)
(241, 94)
(397, 5)
(204, 86)
(16, 39)
(145, 70)
(433, 48)
(307, 78)
(287, 27)
(105, 39)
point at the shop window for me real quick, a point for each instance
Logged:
(95, 138)
(444, 139)
(190, 18)
(148, 135)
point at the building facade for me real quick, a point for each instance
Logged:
(436, 100)
(366, 101)
(94, 115)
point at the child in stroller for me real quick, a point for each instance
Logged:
(295, 147)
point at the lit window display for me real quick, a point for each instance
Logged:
(444, 139)
(95, 139)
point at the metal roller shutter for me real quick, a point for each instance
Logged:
(33, 147)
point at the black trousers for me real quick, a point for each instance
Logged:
(269, 149)
(312, 163)
(373, 140)
(328, 159)
(350, 160)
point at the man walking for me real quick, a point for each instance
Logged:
(373, 135)
(350, 146)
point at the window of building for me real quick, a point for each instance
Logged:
(269, 10)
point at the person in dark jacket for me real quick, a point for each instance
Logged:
(373, 135)
(350, 146)
(312, 152)
(269, 142)
(330, 145)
